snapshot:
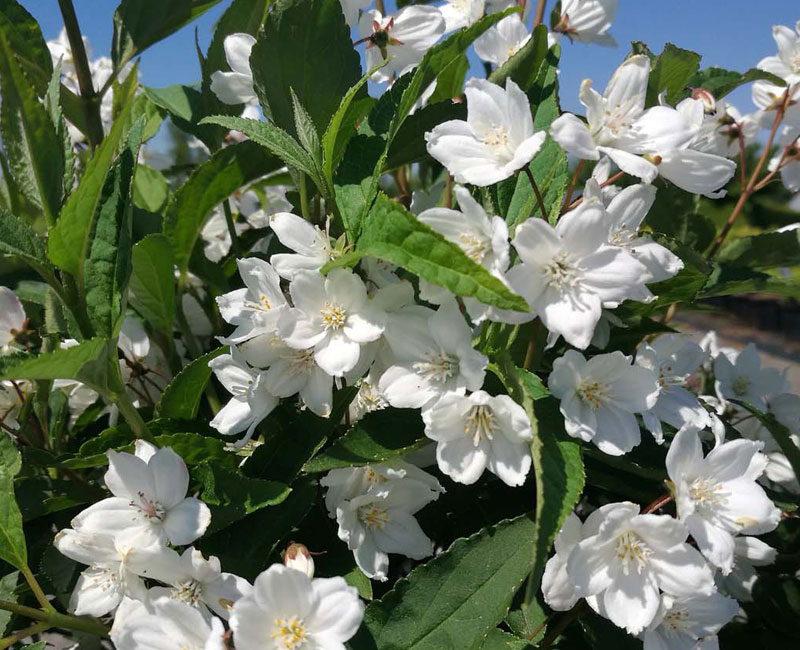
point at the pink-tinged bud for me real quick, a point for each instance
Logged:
(705, 96)
(298, 557)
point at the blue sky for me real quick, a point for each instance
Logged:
(728, 33)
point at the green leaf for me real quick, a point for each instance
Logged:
(767, 251)
(185, 107)
(727, 279)
(68, 242)
(8, 584)
(305, 48)
(454, 600)
(210, 184)
(181, 398)
(18, 238)
(12, 538)
(52, 102)
(376, 438)
(393, 234)
(782, 435)
(33, 148)
(499, 640)
(138, 24)
(152, 285)
(523, 67)
(86, 362)
(306, 131)
(107, 267)
(671, 72)
(720, 82)
(28, 44)
(361, 582)
(550, 170)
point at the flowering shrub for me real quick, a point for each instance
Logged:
(385, 355)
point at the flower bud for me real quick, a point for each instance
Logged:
(709, 103)
(297, 557)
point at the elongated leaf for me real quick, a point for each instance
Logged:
(8, 584)
(152, 286)
(305, 48)
(523, 67)
(393, 234)
(454, 600)
(12, 537)
(86, 362)
(138, 24)
(376, 438)
(720, 82)
(767, 251)
(210, 184)
(18, 238)
(33, 149)
(69, 241)
(181, 398)
(107, 268)
(185, 107)
(671, 73)
(28, 44)
(781, 434)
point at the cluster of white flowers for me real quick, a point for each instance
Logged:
(159, 596)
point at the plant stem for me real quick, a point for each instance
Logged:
(536, 191)
(531, 352)
(56, 619)
(226, 208)
(89, 98)
(380, 7)
(8, 641)
(562, 624)
(37, 590)
(572, 184)
(128, 411)
(448, 191)
(751, 185)
(742, 166)
(305, 207)
(578, 201)
(663, 500)
(539, 15)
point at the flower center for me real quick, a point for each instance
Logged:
(592, 392)
(187, 592)
(480, 424)
(631, 549)
(301, 361)
(374, 477)
(677, 620)
(333, 316)
(438, 367)
(153, 510)
(741, 385)
(369, 399)
(289, 633)
(496, 137)
(706, 493)
(619, 119)
(373, 517)
(561, 272)
(473, 246)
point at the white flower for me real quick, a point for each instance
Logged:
(251, 402)
(236, 87)
(334, 316)
(165, 624)
(479, 432)
(12, 317)
(720, 129)
(287, 610)
(600, 396)
(256, 308)
(312, 246)
(786, 64)
(569, 273)
(192, 579)
(674, 358)
(290, 372)
(351, 8)
(369, 398)
(681, 622)
(717, 496)
(216, 236)
(619, 126)
(587, 21)
(461, 13)
(149, 494)
(434, 357)
(748, 552)
(503, 40)
(109, 578)
(298, 557)
(557, 589)
(382, 521)
(744, 379)
(402, 38)
(625, 213)
(12, 396)
(625, 558)
(496, 140)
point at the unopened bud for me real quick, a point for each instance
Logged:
(709, 103)
(297, 557)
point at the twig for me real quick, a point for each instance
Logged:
(572, 185)
(562, 624)
(579, 200)
(448, 191)
(539, 15)
(56, 619)
(536, 191)
(226, 208)
(742, 173)
(8, 641)
(659, 503)
(751, 185)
